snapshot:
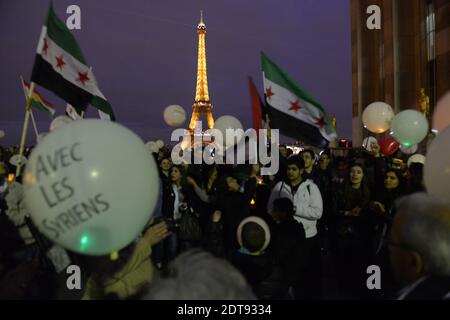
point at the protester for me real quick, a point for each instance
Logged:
(255, 262)
(353, 232)
(198, 275)
(165, 165)
(127, 274)
(307, 200)
(309, 158)
(288, 242)
(419, 245)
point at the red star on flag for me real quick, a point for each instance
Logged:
(269, 92)
(83, 77)
(295, 106)
(45, 46)
(321, 122)
(60, 62)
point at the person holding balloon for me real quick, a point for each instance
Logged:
(124, 274)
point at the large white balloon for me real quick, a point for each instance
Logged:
(409, 127)
(174, 115)
(59, 121)
(437, 167)
(2, 134)
(409, 150)
(91, 186)
(377, 117)
(417, 158)
(441, 116)
(233, 126)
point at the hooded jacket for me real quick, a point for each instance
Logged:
(307, 202)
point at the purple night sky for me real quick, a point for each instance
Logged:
(144, 56)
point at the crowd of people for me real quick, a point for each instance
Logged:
(226, 232)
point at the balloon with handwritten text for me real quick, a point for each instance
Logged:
(91, 186)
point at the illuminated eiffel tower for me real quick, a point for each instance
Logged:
(202, 107)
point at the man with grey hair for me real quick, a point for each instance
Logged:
(419, 247)
(198, 275)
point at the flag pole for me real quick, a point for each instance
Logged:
(269, 133)
(34, 125)
(25, 127)
(32, 115)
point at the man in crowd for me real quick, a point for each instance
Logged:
(419, 246)
(305, 196)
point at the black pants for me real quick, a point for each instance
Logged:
(309, 284)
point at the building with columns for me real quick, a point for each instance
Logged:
(406, 63)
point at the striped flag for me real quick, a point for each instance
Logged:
(60, 67)
(292, 109)
(38, 101)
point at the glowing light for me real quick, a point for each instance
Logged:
(11, 177)
(252, 202)
(94, 174)
(84, 242)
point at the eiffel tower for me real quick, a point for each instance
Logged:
(202, 107)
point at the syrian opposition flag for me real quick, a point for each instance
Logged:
(292, 110)
(60, 67)
(38, 101)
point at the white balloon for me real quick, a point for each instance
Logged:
(409, 127)
(87, 194)
(174, 115)
(2, 134)
(225, 123)
(367, 143)
(16, 159)
(419, 158)
(59, 121)
(377, 117)
(436, 170)
(160, 143)
(410, 150)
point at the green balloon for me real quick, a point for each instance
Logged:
(409, 127)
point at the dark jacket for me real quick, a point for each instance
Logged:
(263, 275)
(235, 207)
(431, 288)
(287, 245)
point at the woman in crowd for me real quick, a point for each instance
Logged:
(382, 209)
(415, 178)
(234, 206)
(352, 227)
(164, 169)
(173, 197)
(383, 203)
